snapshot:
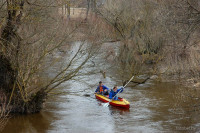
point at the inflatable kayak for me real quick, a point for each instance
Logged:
(123, 103)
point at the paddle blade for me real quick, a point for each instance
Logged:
(106, 104)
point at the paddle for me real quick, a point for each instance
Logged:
(106, 104)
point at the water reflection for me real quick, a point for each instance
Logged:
(39, 122)
(150, 111)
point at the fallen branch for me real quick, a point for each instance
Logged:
(138, 82)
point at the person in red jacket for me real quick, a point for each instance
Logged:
(102, 89)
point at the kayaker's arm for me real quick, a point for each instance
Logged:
(97, 89)
(105, 88)
(120, 90)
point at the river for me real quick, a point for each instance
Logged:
(77, 111)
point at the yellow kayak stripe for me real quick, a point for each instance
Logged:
(103, 97)
(124, 102)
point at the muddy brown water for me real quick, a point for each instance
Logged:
(77, 111)
(151, 110)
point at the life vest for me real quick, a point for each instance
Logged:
(101, 89)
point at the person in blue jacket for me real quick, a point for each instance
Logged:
(102, 89)
(114, 91)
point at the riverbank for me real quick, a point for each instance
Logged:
(159, 67)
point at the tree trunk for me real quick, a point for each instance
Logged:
(94, 5)
(88, 9)
(68, 9)
(9, 63)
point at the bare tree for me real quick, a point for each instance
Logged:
(31, 36)
(134, 22)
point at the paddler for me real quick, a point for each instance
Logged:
(102, 89)
(114, 91)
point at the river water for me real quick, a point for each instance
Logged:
(77, 111)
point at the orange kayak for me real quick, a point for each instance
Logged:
(123, 103)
